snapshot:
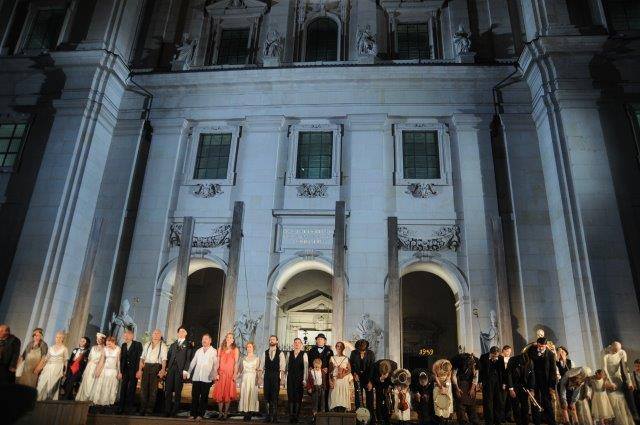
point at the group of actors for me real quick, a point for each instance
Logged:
(538, 385)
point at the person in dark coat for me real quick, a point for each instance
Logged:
(492, 379)
(465, 386)
(422, 396)
(324, 353)
(9, 353)
(273, 367)
(75, 367)
(520, 382)
(544, 368)
(297, 369)
(130, 353)
(178, 362)
(362, 361)
(382, 371)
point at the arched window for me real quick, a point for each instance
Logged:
(322, 41)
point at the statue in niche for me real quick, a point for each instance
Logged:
(366, 42)
(489, 338)
(461, 41)
(185, 51)
(273, 45)
(122, 321)
(369, 330)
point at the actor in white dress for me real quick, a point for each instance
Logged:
(601, 409)
(107, 375)
(88, 376)
(249, 383)
(615, 362)
(53, 368)
(340, 380)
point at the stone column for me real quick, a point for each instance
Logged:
(80, 313)
(179, 292)
(231, 280)
(394, 308)
(338, 281)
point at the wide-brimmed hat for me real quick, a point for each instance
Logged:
(321, 335)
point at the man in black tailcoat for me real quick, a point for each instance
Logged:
(130, 353)
(362, 361)
(492, 378)
(324, 353)
(178, 361)
(544, 368)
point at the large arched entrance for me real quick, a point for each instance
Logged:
(305, 308)
(429, 319)
(203, 304)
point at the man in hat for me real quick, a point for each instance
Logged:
(362, 361)
(569, 390)
(544, 369)
(324, 353)
(492, 380)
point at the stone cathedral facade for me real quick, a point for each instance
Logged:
(434, 175)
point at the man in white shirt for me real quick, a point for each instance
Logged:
(203, 370)
(153, 364)
(273, 364)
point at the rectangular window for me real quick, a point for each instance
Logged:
(413, 41)
(234, 47)
(12, 138)
(212, 160)
(45, 29)
(421, 156)
(315, 150)
(623, 15)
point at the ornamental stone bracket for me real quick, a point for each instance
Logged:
(446, 237)
(207, 190)
(312, 190)
(421, 190)
(217, 237)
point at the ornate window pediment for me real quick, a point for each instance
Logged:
(237, 9)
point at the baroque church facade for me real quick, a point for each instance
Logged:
(433, 175)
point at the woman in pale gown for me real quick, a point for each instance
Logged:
(249, 367)
(33, 354)
(53, 368)
(88, 376)
(340, 380)
(107, 375)
(614, 362)
(601, 409)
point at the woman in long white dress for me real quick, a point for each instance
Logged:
(340, 380)
(107, 375)
(88, 376)
(614, 364)
(249, 365)
(53, 368)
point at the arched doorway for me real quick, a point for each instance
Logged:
(304, 308)
(429, 319)
(203, 304)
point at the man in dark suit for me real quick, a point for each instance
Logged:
(492, 380)
(382, 370)
(130, 353)
(178, 360)
(9, 353)
(362, 361)
(75, 367)
(520, 381)
(324, 353)
(544, 369)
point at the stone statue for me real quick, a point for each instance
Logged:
(236, 4)
(489, 338)
(461, 41)
(245, 331)
(184, 53)
(367, 45)
(273, 45)
(369, 330)
(122, 321)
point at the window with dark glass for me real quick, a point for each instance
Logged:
(234, 47)
(315, 150)
(45, 29)
(322, 41)
(413, 41)
(421, 155)
(12, 138)
(212, 159)
(623, 15)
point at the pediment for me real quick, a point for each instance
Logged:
(237, 9)
(314, 302)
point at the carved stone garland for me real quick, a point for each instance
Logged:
(312, 190)
(220, 235)
(421, 190)
(207, 190)
(447, 237)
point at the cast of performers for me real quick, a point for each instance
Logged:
(85, 392)
(249, 367)
(297, 368)
(178, 361)
(130, 353)
(339, 380)
(203, 370)
(75, 367)
(33, 353)
(544, 368)
(324, 353)
(151, 369)
(316, 386)
(273, 367)
(492, 382)
(52, 369)
(521, 385)
(362, 360)
(224, 391)
(465, 385)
